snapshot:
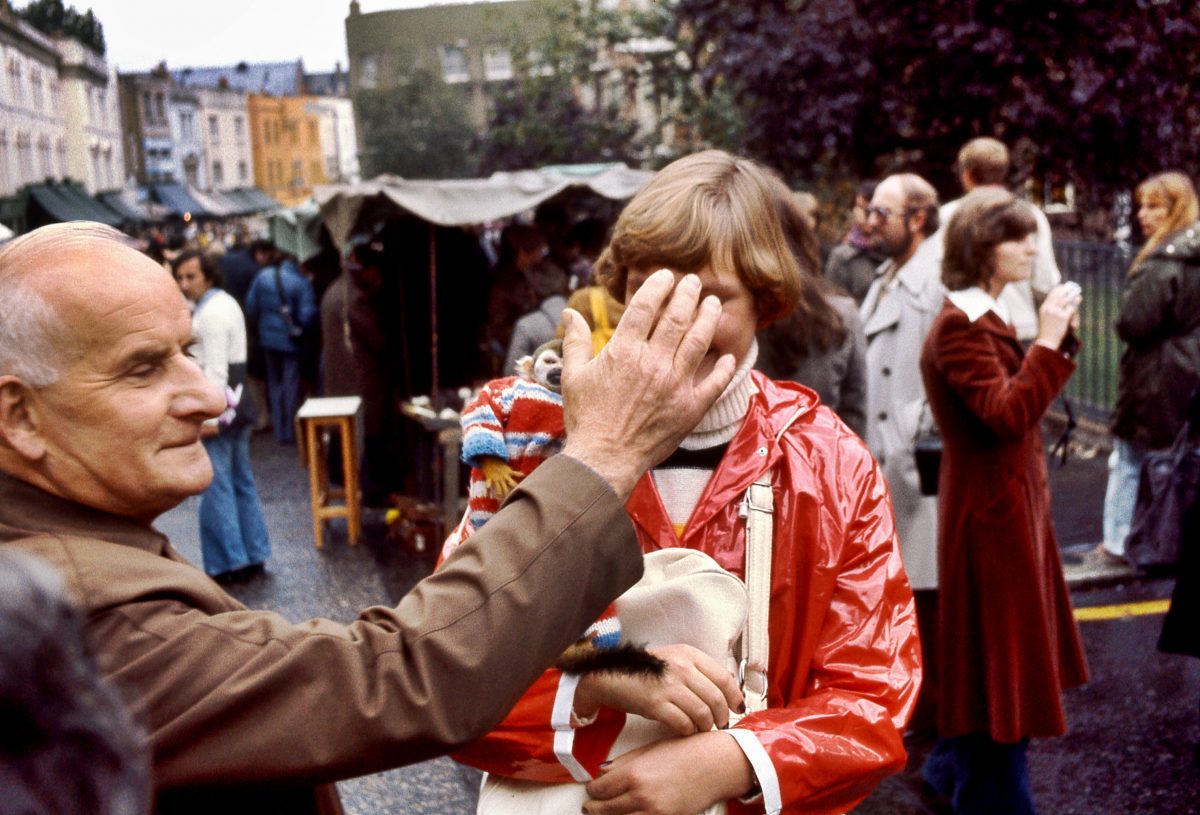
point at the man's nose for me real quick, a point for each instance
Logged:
(199, 396)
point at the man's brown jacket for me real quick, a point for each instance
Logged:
(249, 712)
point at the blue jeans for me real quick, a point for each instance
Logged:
(283, 389)
(233, 532)
(981, 776)
(1124, 471)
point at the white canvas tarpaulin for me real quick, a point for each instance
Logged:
(462, 202)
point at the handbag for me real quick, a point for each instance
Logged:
(1167, 488)
(239, 410)
(684, 596)
(927, 451)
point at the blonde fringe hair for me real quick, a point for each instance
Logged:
(1176, 191)
(708, 209)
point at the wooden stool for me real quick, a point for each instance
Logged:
(338, 413)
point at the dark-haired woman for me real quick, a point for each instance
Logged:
(1008, 644)
(821, 343)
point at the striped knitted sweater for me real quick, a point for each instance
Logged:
(515, 420)
(520, 422)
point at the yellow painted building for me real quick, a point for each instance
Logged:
(286, 141)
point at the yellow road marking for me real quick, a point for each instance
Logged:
(1120, 610)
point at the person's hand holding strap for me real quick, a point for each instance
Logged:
(630, 406)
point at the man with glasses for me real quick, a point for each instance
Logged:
(898, 310)
(852, 263)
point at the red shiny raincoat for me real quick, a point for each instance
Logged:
(844, 660)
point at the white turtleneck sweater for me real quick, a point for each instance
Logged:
(680, 484)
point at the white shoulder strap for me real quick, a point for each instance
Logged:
(758, 507)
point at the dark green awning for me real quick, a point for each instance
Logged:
(65, 202)
(254, 199)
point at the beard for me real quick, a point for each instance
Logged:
(895, 247)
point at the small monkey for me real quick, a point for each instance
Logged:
(544, 367)
(509, 428)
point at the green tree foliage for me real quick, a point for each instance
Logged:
(418, 128)
(539, 118)
(1102, 93)
(53, 17)
(691, 116)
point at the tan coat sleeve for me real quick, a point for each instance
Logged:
(240, 695)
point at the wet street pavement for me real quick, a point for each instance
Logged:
(1132, 729)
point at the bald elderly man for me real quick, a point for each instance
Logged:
(100, 423)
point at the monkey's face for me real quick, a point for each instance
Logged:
(547, 369)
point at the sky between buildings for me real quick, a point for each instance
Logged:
(141, 33)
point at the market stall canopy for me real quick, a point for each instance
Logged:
(253, 199)
(66, 202)
(133, 206)
(6, 234)
(461, 202)
(176, 198)
(215, 203)
(288, 229)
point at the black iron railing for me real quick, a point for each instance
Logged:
(1099, 268)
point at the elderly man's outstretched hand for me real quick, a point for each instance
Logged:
(630, 406)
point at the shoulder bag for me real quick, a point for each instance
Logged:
(927, 450)
(684, 596)
(1167, 489)
(295, 330)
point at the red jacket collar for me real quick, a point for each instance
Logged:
(753, 450)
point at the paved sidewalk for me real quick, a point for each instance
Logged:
(338, 581)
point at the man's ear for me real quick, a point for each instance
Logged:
(20, 424)
(917, 218)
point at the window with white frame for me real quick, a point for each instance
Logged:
(239, 129)
(243, 172)
(25, 170)
(43, 148)
(497, 64)
(218, 173)
(160, 107)
(6, 186)
(16, 82)
(454, 63)
(35, 82)
(214, 128)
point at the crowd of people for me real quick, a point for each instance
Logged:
(896, 610)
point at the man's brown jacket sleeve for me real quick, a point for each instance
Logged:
(231, 695)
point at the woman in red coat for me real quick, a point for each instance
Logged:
(1009, 644)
